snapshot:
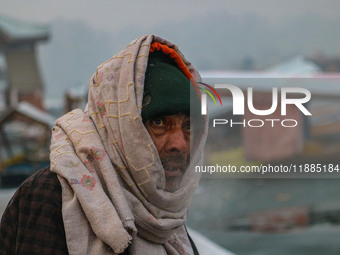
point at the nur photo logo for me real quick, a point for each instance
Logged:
(281, 99)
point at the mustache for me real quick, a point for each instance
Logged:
(173, 162)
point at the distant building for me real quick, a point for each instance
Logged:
(328, 65)
(19, 71)
(24, 124)
(75, 98)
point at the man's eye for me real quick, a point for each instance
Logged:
(188, 128)
(158, 122)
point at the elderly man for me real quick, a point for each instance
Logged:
(119, 180)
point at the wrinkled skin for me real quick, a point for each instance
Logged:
(171, 136)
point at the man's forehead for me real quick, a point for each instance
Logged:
(179, 115)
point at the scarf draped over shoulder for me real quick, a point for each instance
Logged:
(111, 174)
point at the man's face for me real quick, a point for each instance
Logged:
(171, 136)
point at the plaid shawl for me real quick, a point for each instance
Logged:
(32, 222)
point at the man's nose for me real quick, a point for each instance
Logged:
(177, 141)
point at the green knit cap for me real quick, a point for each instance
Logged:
(166, 88)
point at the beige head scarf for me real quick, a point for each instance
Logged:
(111, 175)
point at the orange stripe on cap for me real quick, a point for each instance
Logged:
(172, 54)
(156, 46)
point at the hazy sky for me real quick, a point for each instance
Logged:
(112, 15)
(213, 34)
